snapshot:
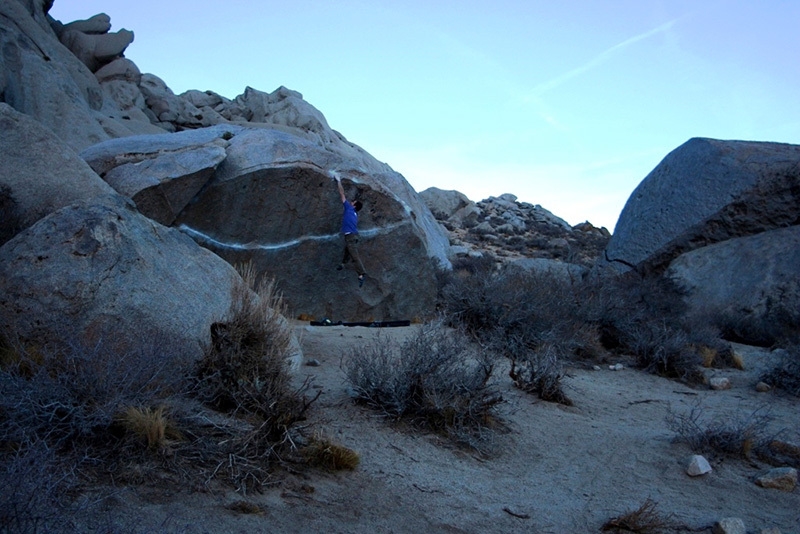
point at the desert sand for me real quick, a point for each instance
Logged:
(557, 469)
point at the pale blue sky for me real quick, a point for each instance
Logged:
(568, 104)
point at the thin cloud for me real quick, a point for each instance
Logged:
(601, 58)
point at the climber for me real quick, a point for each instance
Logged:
(350, 232)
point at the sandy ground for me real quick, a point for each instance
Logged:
(558, 469)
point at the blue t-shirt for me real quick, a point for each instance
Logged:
(349, 219)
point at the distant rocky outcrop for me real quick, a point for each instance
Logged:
(43, 79)
(512, 230)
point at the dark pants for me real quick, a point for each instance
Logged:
(351, 253)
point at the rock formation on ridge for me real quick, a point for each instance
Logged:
(512, 230)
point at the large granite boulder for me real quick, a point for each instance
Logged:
(272, 201)
(102, 270)
(39, 173)
(704, 192)
(749, 286)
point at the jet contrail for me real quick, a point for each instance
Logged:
(598, 60)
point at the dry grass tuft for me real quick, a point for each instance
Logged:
(244, 507)
(738, 361)
(708, 356)
(646, 520)
(324, 453)
(152, 426)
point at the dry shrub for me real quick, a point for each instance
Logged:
(70, 396)
(737, 436)
(437, 380)
(526, 314)
(323, 453)
(33, 489)
(245, 373)
(541, 373)
(245, 369)
(534, 318)
(646, 520)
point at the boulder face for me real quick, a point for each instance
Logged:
(749, 283)
(272, 202)
(105, 271)
(39, 173)
(704, 192)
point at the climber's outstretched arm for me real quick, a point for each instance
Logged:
(341, 189)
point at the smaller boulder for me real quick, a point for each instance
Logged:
(95, 50)
(444, 204)
(780, 478)
(729, 525)
(38, 172)
(698, 466)
(719, 383)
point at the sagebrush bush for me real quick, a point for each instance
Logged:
(549, 316)
(739, 435)
(645, 520)
(437, 380)
(70, 396)
(246, 367)
(512, 303)
(33, 491)
(541, 372)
